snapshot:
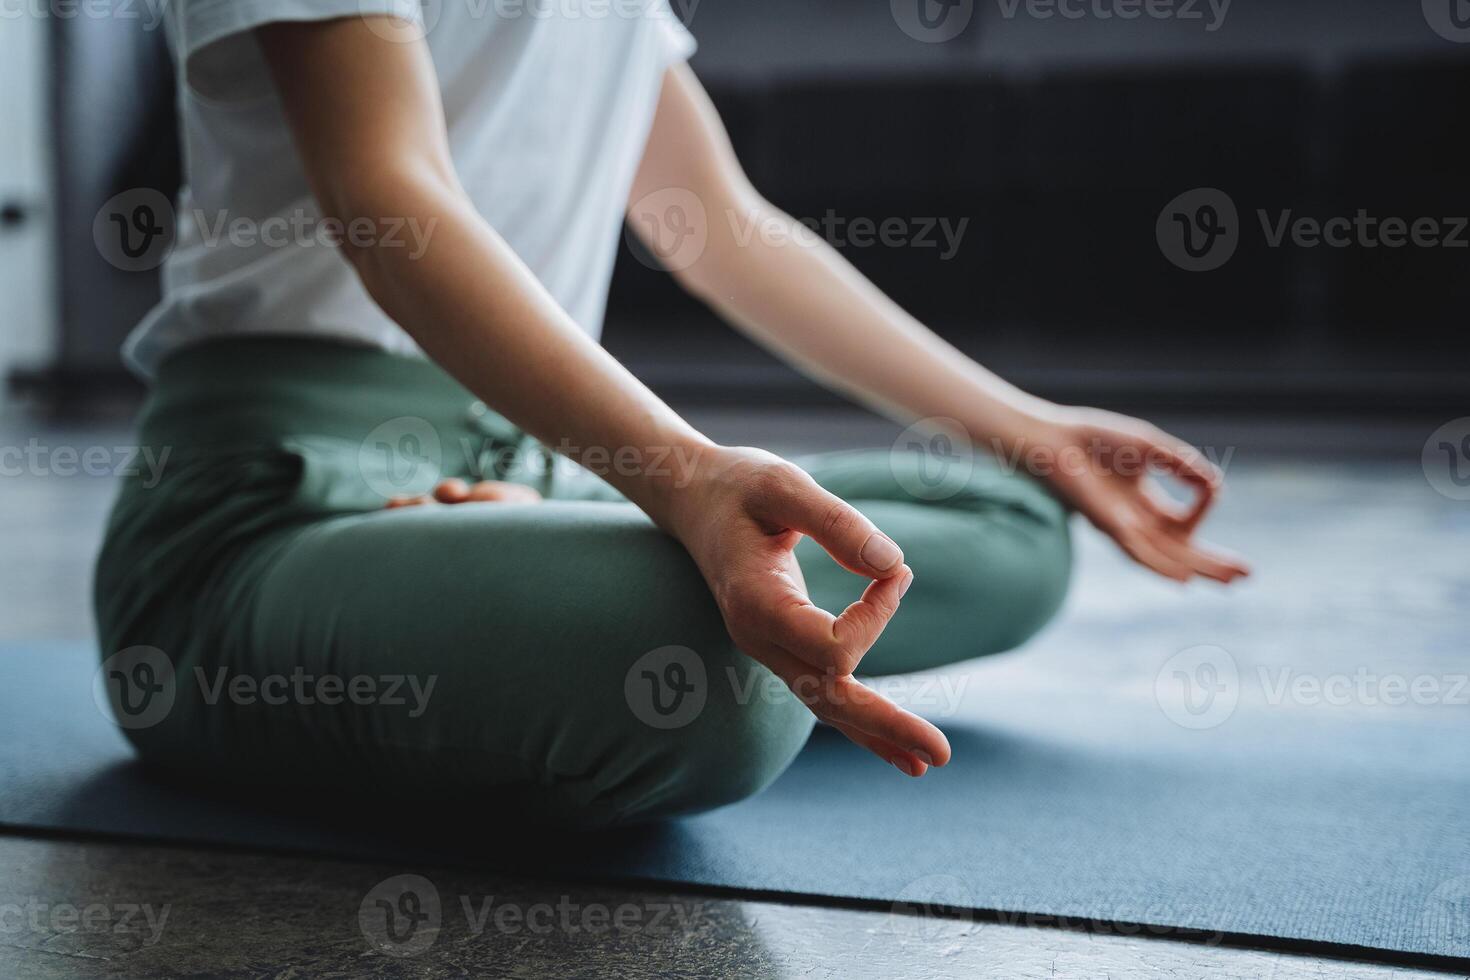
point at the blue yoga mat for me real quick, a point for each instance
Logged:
(1064, 802)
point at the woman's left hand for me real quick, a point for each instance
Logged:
(457, 491)
(1099, 462)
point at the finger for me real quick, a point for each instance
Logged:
(1122, 525)
(842, 700)
(1186, 462)
(837, 643)
(902, 760)
(502, 492)
(1147, 554)
(1164, 509)
(452, 491)
(846, 701)
(852, 540)
(1207, 560)
(1198, 560)
(1239, 567)
(396, 502)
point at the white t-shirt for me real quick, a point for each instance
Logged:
(548, 104)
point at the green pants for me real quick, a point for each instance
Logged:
(268, 623)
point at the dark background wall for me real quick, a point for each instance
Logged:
(1060, 139)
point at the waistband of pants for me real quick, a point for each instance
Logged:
(266, 389)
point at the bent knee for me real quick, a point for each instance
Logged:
(1041, 578)
(745, 734)
(1009, 575)
(757, 728)
(1004, 546)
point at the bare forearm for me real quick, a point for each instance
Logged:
(778, 282)
(368, 125)
(796, 295)
(475, 308)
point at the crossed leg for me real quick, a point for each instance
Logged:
(580, 671)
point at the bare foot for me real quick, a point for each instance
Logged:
(457, 491)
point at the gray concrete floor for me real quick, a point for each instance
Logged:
(71, 908)
(216, 914)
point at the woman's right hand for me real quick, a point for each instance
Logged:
(368, 123)
(740, 517)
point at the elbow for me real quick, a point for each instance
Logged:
(708, 263)
(385, 214)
